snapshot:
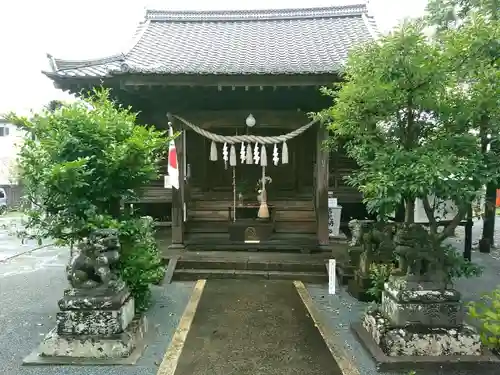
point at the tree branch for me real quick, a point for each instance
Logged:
(448, 231)
(430, 215)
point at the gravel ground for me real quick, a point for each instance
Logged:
(340, 310)
(31, 284)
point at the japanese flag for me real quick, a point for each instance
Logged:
(172, 180)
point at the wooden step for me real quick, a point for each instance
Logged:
(208, 215)
(214, 226)
(294, 216)
(287, 242)
(153, 194)
(295, 227)
(223, 215)
(193, 226)
(289, 196)
(196, 274)
(282, 205)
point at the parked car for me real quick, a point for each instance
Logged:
(3, 201)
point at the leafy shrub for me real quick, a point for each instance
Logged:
(379, 274)
(140, 261)
(457, 267)
(80, 163)
(487, 313)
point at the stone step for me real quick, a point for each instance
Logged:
(196, 274)
(308, 266)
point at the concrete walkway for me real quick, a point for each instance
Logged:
(253, 327)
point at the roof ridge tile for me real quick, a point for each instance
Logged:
(254, 15)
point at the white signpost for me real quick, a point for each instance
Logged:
(331, 276)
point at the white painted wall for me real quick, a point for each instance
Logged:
(9, 148)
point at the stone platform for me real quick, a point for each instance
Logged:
(93, 326)
(419, 325)
(120, 349)
(485, 362)
(395, 341)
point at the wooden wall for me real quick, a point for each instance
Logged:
(297, 175)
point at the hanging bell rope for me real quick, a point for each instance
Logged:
(249, 138)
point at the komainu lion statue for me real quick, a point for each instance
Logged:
(93, 263)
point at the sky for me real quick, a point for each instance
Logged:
(70, 29)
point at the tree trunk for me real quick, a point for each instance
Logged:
(410, 211)
(487, 240)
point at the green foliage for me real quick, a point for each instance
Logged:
(487, 313)
(80, 163)
(87, 158)
(457, 267)
(396, 115)
(454, 266)
(379, 275)
(451, 14)
(140, 261)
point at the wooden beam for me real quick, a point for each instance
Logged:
(228, 80)
(264, 119)
(178, 194)
(322, 161)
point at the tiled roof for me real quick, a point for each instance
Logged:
(283, 41)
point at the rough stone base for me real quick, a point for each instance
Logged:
(433, 342)
(486, 363)
(429, 308)
(95, 322)
(123, 348)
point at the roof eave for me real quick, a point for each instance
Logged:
(199, 80)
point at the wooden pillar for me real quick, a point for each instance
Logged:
(322, 161)
(468, 235)
(178, 194)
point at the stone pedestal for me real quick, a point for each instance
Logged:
(96, 324)
(416, 319)
(430, 308)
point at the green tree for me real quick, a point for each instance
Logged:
(82, 162)
(469, 31)
(397, 117)
(452, 14)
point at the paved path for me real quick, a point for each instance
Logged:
(250, 327)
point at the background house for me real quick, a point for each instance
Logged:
(11, 140)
